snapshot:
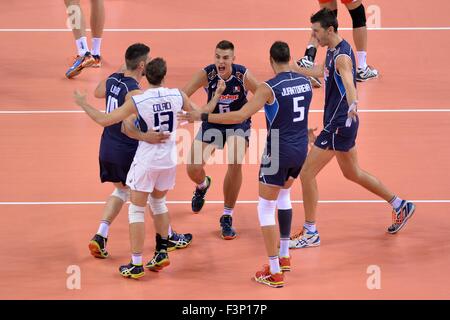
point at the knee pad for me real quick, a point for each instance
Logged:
(358, 16)
(136, 214)
(122, 194)
(266, 212)
(158, 206)
(284, 199)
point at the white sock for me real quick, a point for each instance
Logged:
(274, 262)
(396, 202)
(284, 247)
(311, 227)
(203, 185)
(228, 211)
(82, 46)
(136, 259)
(103, 229)
(170, 232)
(362, 59)
(96, 44)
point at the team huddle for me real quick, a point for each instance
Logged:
(138, 151)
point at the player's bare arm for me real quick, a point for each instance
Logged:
(316, 71)
(250, 82)
(104, 119)
(198, 81)
(344, 67)
(262, 95)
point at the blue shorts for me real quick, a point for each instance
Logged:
(111, 172)
(343, 139)
(280, 177)
(217, 134)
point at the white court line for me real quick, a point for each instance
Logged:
(211, 201)
(219, 29)
(312, 111)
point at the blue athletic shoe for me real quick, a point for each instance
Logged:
(401, 216)
(226, 222)
(132, 271)
(198, 200)
(79, 64)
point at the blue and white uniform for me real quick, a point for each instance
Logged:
(335, 135)
(287, 128)
(232, 99)
(116, 149)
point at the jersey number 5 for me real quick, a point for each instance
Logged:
(297, 102)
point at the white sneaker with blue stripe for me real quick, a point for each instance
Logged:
(305, 239)
(401, 216)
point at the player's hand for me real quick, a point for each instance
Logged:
(221, 86)
(80, 98)
(155, 137)
(352, 114)
(190, 116)
(311, 136)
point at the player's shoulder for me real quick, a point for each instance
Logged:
(211, 71)
(170, 92)
(343, 48)
(239, 71)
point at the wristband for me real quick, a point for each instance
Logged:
(204, 117)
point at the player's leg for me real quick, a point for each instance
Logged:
(84, 58)
(203, 146)
(114, 204)
(157, 202)
(316, 160)
(198, 155)
(97, 25)
(236, 149)
(358, 15)
(136, 216)
(284, 206)
(271, 275)
(403, 210)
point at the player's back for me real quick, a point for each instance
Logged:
(158, 108)
(115, 146)
(288, 114)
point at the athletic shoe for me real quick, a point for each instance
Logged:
(401, 216)
(97, 246)
(226, 222)
(272, 280)
(285, 264)
(179, 241)
(159, 261)
(308, 64)
(367, 73)
(79, 64)
(97, 61)
(304, 239)
(131, 270)
(198, 200)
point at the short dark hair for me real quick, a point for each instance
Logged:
(225, 45)
(279, 52)
(135, 54)
(155, 71)
(326, 18)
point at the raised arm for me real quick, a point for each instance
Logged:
(316, 71)
(250, 82)
(198, 81)
(105, 119)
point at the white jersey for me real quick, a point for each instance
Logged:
(158, 107)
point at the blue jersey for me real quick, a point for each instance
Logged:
(289, 115)
(116, 147)
(235, 94)
(336, 105)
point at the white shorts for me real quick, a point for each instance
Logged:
(144, 179)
